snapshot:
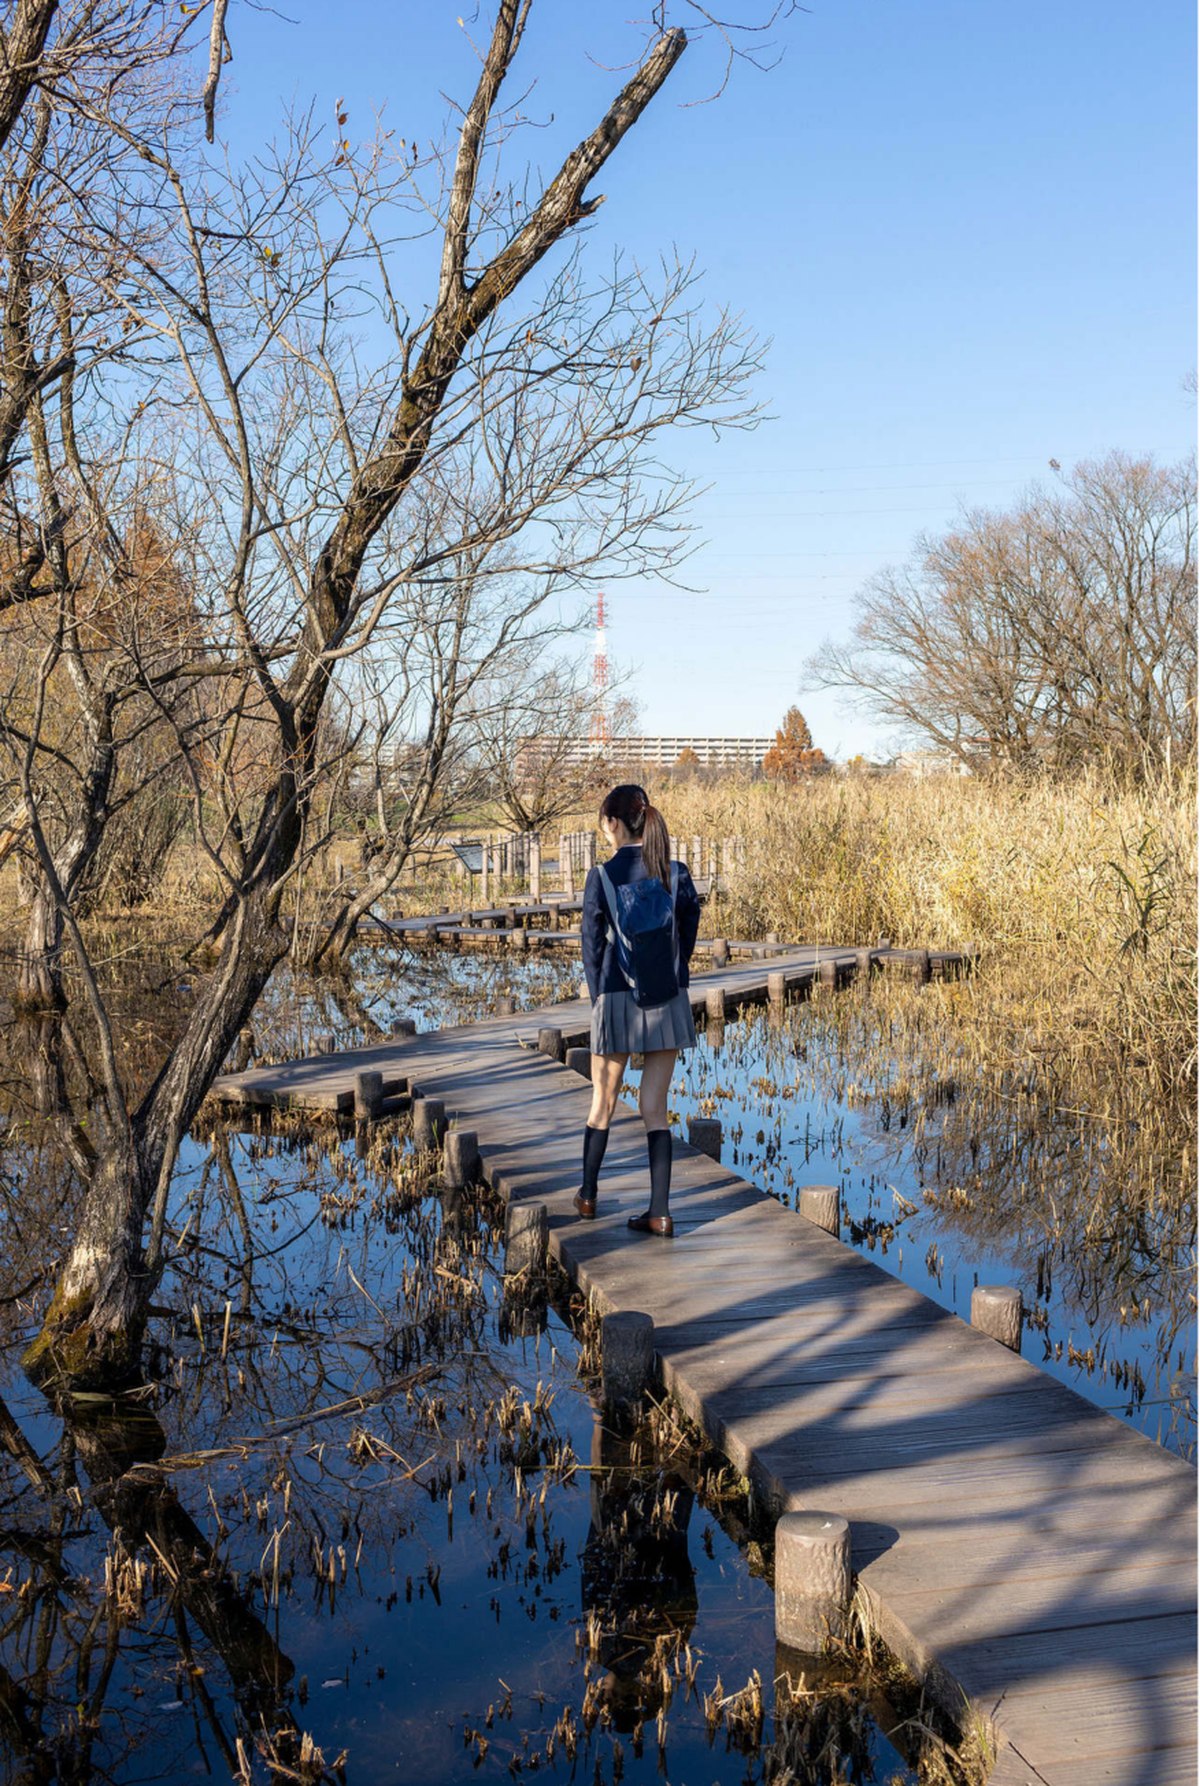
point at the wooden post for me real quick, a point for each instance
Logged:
(580, 1061)
(812, 1579)
(714, 1004)
(922, 967)
(720, 952)
(777, 988)
(428, 1123)
(862, 963)
(820, 1204)
(368, 1096)
(627, 1357)
(403, 1026)
(827, 974)
(704, 1134)
(506, 1007)
(484, 867)
(535, 868)
(997, 1311)
(526, 1230)
(460, 1164)
(550, 1041)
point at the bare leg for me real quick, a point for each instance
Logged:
(608, 1070)
(656, 1083)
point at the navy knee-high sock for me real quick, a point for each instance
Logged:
(594, 1143)
(658, 1145)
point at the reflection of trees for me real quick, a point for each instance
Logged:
(636, 1576)
(68, 1631)
(266, 1352)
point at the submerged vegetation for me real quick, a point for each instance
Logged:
(364, 1506)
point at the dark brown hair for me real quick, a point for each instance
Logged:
(631, 805)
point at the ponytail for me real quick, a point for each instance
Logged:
(631, 804)
(656, 846)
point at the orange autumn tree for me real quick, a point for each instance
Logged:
(792, 756)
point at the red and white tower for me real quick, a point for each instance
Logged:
(599, 735)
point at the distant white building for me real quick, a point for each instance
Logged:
(921, 764)
(664, 753)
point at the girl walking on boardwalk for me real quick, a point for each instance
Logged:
(640, 918)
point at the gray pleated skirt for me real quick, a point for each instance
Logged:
(620, 1026)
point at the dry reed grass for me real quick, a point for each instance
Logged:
(1080, 898)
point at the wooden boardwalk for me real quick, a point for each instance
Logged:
(1019, 1548)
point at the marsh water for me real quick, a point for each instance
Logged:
(364, 1521)
(941, 1184)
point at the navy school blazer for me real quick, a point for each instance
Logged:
(600, 966)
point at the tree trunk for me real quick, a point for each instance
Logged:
(39, 977)
(92, 1332)
(329, 952)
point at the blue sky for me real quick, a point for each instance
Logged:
(968, 229)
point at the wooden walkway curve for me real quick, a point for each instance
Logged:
(1020, 1548)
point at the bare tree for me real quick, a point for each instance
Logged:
(542, 748)
(1059, 632)
(310, 487)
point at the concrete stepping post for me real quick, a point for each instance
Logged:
(403, 1026)
(820, 1204)
(627, 1357)
(704, 1134)
(506, 1007)
(827, 974)
(368, 1096)
(863, 961)
(714, 1004)
(526, 1230)
(460, 1159)
(812, 1579)
(777, 988)
(580, 1061)
(996, 1310)
(720, 952)
(550, 1042)
(428, 1122)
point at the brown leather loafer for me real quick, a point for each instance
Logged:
(585, 1206)
(652, 1224)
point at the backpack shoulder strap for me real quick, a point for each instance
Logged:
(610, 897)
(614, 922)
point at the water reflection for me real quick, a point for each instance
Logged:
(355, 1510)
(949, 1187)
(67, 1631)
(636, 1577)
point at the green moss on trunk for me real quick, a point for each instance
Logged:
(70, 1353)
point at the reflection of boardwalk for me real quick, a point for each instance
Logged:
(1018, 1544)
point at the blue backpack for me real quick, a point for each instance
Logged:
(642, 917)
